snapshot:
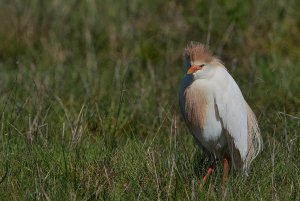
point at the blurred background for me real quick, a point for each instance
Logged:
(89, 96)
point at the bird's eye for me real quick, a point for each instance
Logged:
(202, 65)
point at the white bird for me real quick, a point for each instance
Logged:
(216, 113)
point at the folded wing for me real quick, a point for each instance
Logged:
(233, 113)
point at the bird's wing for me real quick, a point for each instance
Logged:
(232, 111)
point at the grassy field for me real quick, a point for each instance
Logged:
(88, 98)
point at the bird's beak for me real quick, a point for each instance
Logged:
(193, 69)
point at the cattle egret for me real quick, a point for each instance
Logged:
(216, 113)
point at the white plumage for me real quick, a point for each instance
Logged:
(215, 110)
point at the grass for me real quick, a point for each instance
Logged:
(89, 98)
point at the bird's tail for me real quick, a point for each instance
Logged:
(255, 143)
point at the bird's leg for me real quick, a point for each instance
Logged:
(225, 169)
(225, 175)
(208, 173)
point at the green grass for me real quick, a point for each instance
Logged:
(89, 98)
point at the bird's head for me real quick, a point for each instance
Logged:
(200, 62)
